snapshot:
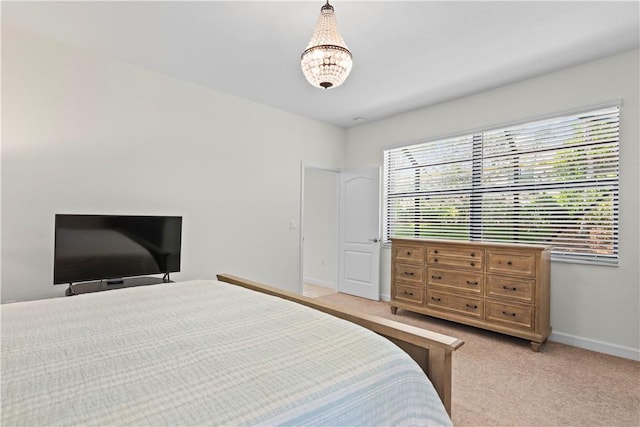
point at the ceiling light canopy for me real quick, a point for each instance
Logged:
(326, 63)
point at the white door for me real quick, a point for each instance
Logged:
(359, 264)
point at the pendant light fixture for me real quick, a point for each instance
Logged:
(326, 62)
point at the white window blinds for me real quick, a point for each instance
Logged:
(552, 182)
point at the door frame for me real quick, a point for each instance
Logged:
(303, 167)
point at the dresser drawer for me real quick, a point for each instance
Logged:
(511, 288)
(456, 251)
(466, 306)
(409, 254)
(513, 316)
(408, 293)
(521, 263)
(408, 272)
(447, 261)
(458, 280)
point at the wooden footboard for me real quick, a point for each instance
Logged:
(431, 350)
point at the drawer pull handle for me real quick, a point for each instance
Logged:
(408, 273)
(408, 293)
(473, 254)
(510, 289)
(437, 277)
(436, 299)
(435, 252)
(435, 260)
(509, 314)
(509, 263)
(472, 264)
(408, 253)
(469, 282)
(475, 307)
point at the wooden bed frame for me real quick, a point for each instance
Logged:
(431, 350)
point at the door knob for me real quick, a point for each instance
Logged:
(374, 240)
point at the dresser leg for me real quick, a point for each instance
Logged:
(394, 310)
(535, 346)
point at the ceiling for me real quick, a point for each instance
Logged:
(407, 54)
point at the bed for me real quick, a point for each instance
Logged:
(214, 352)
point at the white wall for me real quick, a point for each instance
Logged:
(591, 306)
(321, 227)
(85, 134)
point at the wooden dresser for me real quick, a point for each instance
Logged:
(499, 287)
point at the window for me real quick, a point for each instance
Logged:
(551, 182)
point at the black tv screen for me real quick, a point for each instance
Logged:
(97, 247)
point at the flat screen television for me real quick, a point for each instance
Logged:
(99, 247)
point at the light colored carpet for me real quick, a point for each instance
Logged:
(499, 381)
(314, 291)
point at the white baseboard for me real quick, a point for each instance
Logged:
(385, 297)
(317, 282)
(593, 345)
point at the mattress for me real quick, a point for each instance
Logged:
(202, 353)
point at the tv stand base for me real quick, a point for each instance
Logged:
(107, 285)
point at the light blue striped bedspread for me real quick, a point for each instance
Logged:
(201, 353)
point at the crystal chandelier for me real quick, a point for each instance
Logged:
(326, 62)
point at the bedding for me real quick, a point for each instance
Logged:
(202, 353)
